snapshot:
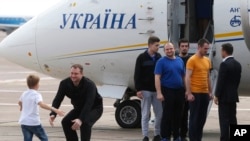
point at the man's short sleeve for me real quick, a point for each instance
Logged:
(158, 67)
(210, 65)
(190, 64)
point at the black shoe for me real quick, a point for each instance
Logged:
(178, 139)
(183, 139)
(145, 138)
(157, 138)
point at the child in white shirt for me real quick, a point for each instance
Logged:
(30, 119)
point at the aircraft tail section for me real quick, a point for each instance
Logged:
(9, 23)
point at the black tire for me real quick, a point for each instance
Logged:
(128, 114)
(138, 101)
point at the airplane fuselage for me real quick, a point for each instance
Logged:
(107, 36)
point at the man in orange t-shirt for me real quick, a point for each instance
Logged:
(198, 89)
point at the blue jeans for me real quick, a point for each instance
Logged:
(149, 98)
(29, 131)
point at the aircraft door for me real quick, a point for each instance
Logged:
(153, 19)
(176, 19)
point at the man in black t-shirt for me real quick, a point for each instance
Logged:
(183, 53)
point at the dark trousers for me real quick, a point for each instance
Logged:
(172, 112)
(184, 120)
(85, 129)
(227, 116)
(198, 116)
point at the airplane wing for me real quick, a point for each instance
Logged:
(117, 91)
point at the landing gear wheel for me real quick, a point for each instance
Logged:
(128, 114)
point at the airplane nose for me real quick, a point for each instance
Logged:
(20, 47)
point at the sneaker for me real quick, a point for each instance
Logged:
(157, 138)
(145, 138)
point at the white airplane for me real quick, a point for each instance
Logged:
(10, 23)
(14, 13)
(107, 36)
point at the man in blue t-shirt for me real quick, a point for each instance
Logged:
(169, 83)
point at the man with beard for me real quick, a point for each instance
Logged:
(198, 89)
(169, 83)
(183, 54)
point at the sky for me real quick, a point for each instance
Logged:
(24, 7)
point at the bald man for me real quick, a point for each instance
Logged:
(169, 83)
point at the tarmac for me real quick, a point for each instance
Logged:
(12, 84)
